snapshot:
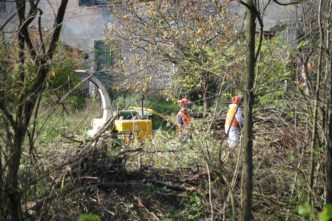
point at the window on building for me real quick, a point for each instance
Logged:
(92, 2)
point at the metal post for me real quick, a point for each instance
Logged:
(143, 97)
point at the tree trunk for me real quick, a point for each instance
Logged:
(205, 102)
(329, 152)
(247, 179)
(329, 145)
(12, 189)
(205, 88)
(315, 117)
(15, 149)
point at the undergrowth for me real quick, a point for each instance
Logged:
(173, 176)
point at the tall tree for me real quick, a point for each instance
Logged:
(24, 87)
(248, 92)
(329, 152)
(317, 89)
(329, 144)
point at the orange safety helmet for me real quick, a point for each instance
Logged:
(236, 100)
(183, 101)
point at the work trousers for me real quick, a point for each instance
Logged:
(233, 136)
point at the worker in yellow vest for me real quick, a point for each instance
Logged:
(183, 117)
(234, 121)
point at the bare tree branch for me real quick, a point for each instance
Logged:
(41, 31)
(57, 28)
(260, 20)
(7, 115)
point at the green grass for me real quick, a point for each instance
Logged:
(56, 125)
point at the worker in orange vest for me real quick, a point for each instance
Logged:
(234, 121)
(306, 70)
(183, 117)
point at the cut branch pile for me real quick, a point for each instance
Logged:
(91, 178)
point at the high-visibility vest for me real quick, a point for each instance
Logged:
(230, 117)
(185, 117)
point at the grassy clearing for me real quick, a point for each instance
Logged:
(56, 125)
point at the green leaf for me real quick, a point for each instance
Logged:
(305, 210)
(304, 44)
(326, 215)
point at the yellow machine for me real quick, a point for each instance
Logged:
(132, 126)
(133, 129)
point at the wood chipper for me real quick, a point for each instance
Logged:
(131, 126)
(134, 124)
